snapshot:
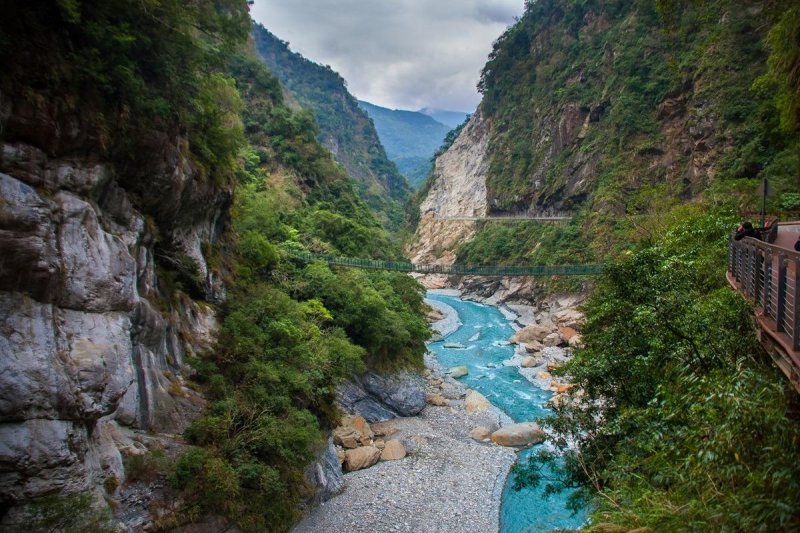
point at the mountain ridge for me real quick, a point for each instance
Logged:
(411, 138)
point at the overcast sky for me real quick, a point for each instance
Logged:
(404, 54)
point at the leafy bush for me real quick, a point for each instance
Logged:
(681, 413)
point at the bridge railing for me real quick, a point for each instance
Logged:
(463, 270)
(770, 277)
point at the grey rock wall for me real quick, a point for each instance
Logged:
(89, 347)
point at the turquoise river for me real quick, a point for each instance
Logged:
(483, 332)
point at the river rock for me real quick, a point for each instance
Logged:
(576, 341)
(359, 458)
(553, 339)
(475, 401)
(383, 429)
(529, 362)
(530, 334)
(559, 388)
(458, 372)
(566, 332)
(518, 435)
(393, 450)
(544, 375)
(571, 318)
(480, 434)
(361, 426)
(438, 400)
(533, 346)
(325, 475)
(346, 437)
(454, 345)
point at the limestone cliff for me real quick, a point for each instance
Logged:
(93, 341)
(458, 189)
(602, 110)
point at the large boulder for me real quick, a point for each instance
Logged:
(522, 434)
(480, 433)
(475, 401)
(571, 318)
(379, 398)
(458, 372)
(393, 450)
(553, 339)
(403, 392)
(360, 458)
(530, 334)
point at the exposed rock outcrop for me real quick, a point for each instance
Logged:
(89, 343)
(325, 475)
(378, 398)
(458, 190)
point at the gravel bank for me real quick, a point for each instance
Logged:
(448, 482)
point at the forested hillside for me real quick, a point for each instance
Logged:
(653, 124)
(345, 129)
(613, 110)
(154, 184)
(411, 138)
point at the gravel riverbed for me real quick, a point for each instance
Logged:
(447, 483)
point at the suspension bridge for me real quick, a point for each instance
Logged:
(456, 269)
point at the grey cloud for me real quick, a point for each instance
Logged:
(396, 53)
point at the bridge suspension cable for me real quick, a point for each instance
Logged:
(463, 270)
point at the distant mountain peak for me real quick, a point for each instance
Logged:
(445, 116)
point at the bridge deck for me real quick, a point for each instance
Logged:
(769, 276)
(507, 218)
(461, 270)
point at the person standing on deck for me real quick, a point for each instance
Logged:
(746, 229)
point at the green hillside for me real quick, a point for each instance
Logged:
(654, 123)
(344, 128)
(411, 138)
(608, 109)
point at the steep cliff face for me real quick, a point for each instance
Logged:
(601, 110)
(93, 341)
(457, 189)
(345, 129)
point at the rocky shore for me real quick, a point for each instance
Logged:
(456, 453)
(448, 482)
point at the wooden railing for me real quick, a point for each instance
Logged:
(769, 276)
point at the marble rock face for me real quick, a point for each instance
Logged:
(85, 348)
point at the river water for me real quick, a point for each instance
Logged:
(484, 332)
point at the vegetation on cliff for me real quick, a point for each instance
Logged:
(682, 423)
(344, 128)
(131, 77)
(292, 332)
(614, 110)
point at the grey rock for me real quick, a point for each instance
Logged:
(325, 475)
(403, 392)
(379, 398)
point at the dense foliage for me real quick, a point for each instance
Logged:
(344, 127)
(291, 332)
(129, 77)
(682, 422)
(122, 69)
(616, 108)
